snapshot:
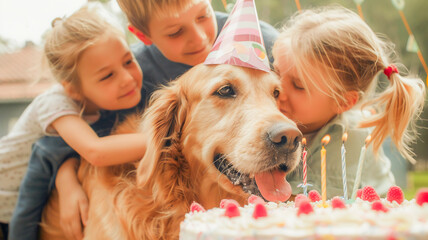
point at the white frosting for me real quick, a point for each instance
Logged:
(357, 221)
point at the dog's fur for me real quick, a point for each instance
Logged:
(209, 111)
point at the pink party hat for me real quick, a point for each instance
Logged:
(240, 42)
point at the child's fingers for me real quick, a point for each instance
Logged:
(73, 228)
(70, 232)
(76, 230)
(83, 205)
(72, 223)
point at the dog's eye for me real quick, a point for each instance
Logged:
(276, 93)
(226, 91)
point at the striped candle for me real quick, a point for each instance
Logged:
(343, 151)
(304, 184)
(304, 162)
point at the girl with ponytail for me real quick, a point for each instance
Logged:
(330, 62)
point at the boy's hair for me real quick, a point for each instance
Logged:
(335, 46)
(70, 37)
(141, 12)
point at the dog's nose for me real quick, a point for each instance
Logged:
(286, 136)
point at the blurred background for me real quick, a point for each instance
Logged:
(23, 24)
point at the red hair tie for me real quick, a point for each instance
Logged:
(390, 70)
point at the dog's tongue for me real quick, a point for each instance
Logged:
(273, 186)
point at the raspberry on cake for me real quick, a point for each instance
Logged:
(395, 194)
(225, 202)
(378, 206)
(314, 195)
(196, 207)
(232, 210)
(422, 196)
(254, 199)
(305, 207)
(259, 210)
(337, 202)
(369, 194)
(300, 198)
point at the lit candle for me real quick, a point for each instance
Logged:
(325, 140)
(343, 151)
(360, 167)
(305, 186)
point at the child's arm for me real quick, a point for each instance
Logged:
(73, 202)
(104, 151)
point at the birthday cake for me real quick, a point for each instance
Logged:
(368, 217)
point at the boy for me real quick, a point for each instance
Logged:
(175, 35)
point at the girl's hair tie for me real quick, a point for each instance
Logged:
(390, 70)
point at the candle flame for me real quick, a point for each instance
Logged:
(304, 141)
(345, 137)
(368, 139)
(325, 140)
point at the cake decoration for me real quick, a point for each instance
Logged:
(340, 219)
(305, 207)
(360, 167)
(422, 196)
(378, 206)
(364, 216)
(224, 202)
(254, 199)
(359, 193)
(337, 202)
(325, 140)
(299, 198)
(314, 196)
(196, 207)
(395, 194)
(232, 210)
(369, 194)
(259, 211)
(305, 183)
(343, 152)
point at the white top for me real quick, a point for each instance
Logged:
(15, 148)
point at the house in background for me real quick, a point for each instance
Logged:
(21, 79)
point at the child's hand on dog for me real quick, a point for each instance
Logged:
(73, 202)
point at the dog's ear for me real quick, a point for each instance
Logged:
(162, 123)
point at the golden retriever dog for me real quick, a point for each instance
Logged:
(214, 133)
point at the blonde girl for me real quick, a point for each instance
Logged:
(96, 71)
(329, 61)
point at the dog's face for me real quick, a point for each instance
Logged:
(230, 129)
